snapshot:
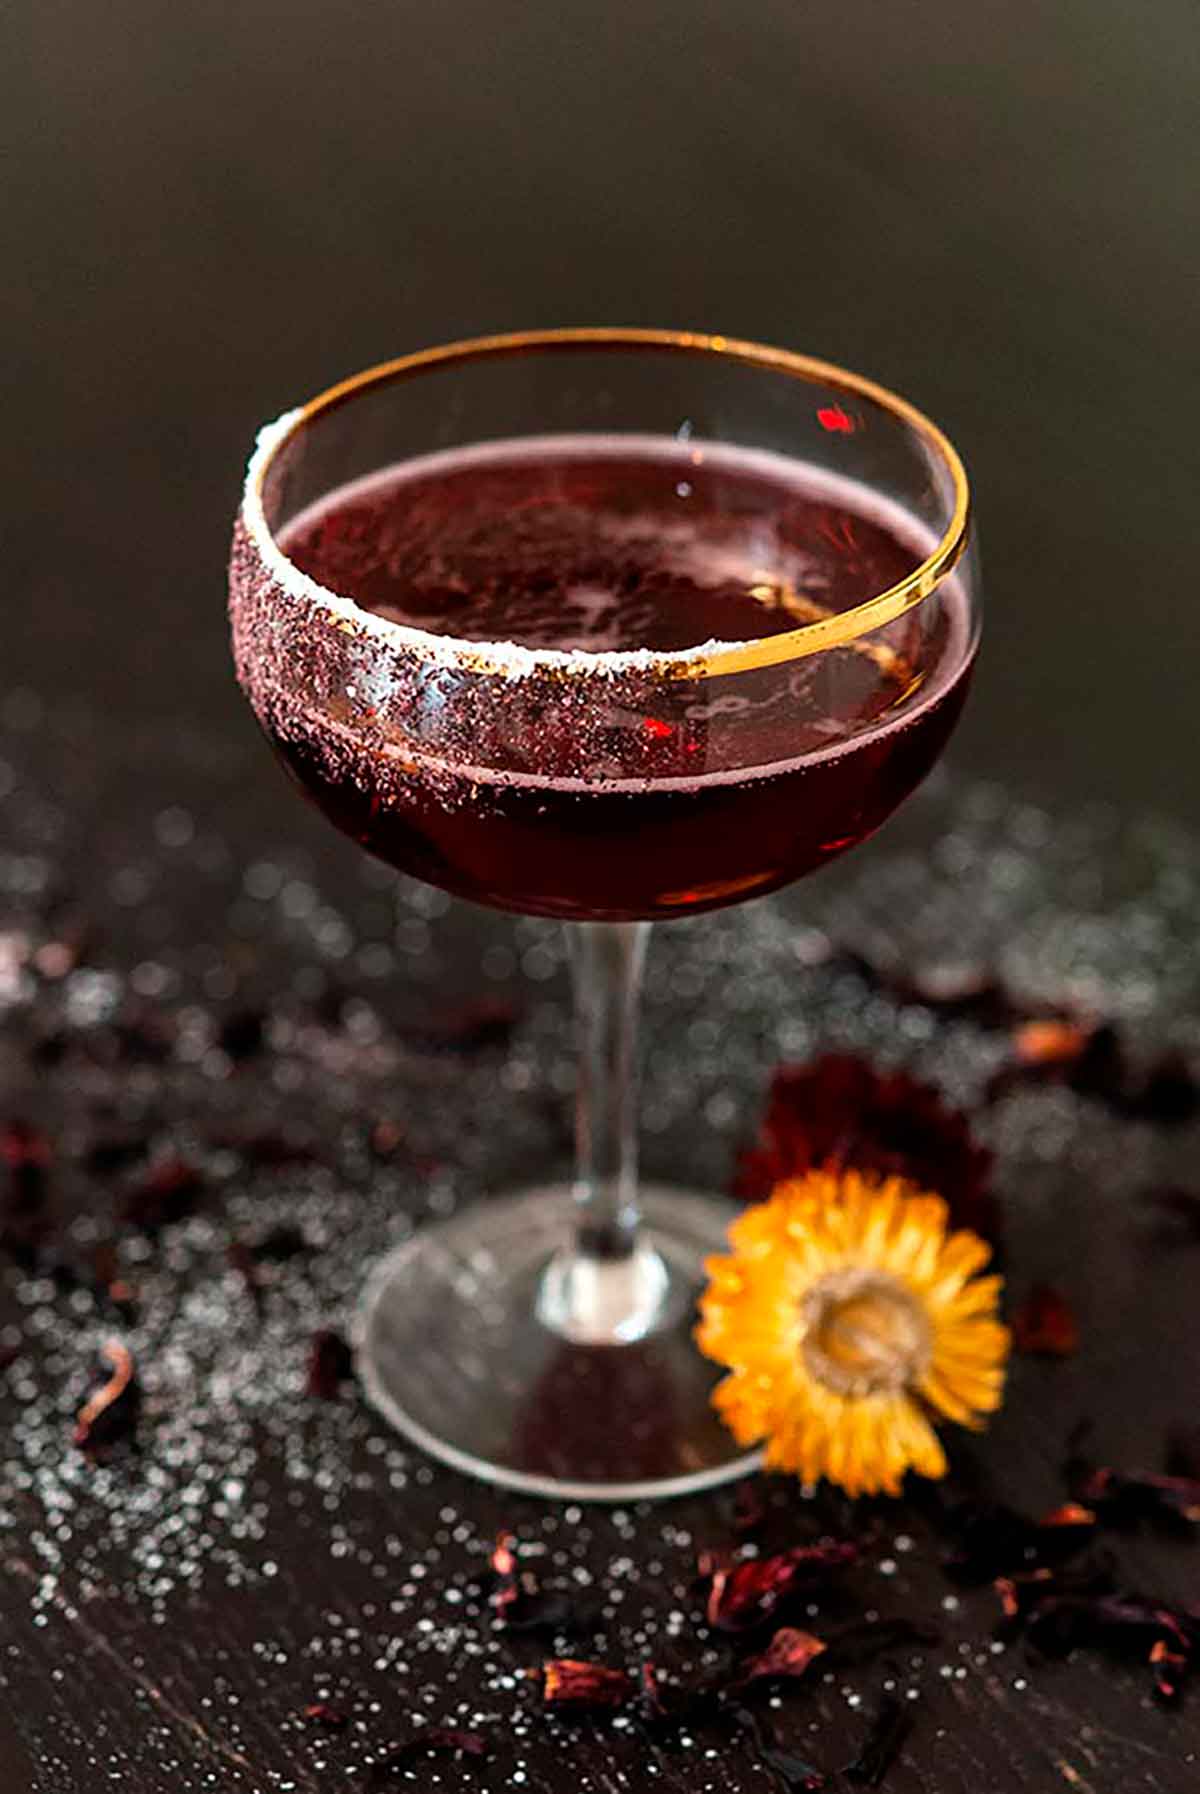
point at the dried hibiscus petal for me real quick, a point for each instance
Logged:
(792, 1772)
(840, 1111)
(746, 1593)
(992, 1539)
(1044, 1325)
(1128, 1624)
(110, 1413)
(520, 1605)
(332, 1718)
(330, 1364)
(883, 1743)
(1021, 1594)
(786, 1657)
(436, 1740)
(567, 1682)
(1170, 1666)
(1125, 1497)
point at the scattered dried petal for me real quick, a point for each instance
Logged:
(1044, 1324)
(883, 1743)
(330, 1364)
(437, 1740)
(1128, 1624)
(747, 1593)
(1125, 1497)
(786, 1657)
(991, 1539)
(566, 1682)
(110, 1414)
(793, 1773)
(333, 1719)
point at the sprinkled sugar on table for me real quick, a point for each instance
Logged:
(230, 1077)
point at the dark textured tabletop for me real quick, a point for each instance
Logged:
(209, 1006)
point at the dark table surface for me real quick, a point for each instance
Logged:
(211, 212)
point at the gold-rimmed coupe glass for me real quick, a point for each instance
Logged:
(737, 615)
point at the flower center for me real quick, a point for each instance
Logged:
(864, 1333)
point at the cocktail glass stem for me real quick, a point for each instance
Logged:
(610, 1285)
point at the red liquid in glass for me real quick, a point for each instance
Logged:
(650, 797)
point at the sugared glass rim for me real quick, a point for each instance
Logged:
(709, 659)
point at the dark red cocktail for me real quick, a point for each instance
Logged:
(595, 799)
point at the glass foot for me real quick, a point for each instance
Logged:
(452, 1351)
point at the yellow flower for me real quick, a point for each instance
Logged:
(847, 1317)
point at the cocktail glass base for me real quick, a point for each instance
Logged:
(453, 1351)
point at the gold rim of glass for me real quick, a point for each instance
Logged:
(735, 657)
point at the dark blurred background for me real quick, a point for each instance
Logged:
(213, 210)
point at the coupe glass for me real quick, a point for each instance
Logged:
(543, 1339)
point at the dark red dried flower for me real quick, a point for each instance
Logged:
(330, 1364)
(1044, 1324)
(745, 1594)
(883, 1743)
(786, 1657)
(840, 1111)
(110, 1413)
(566, 1682)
